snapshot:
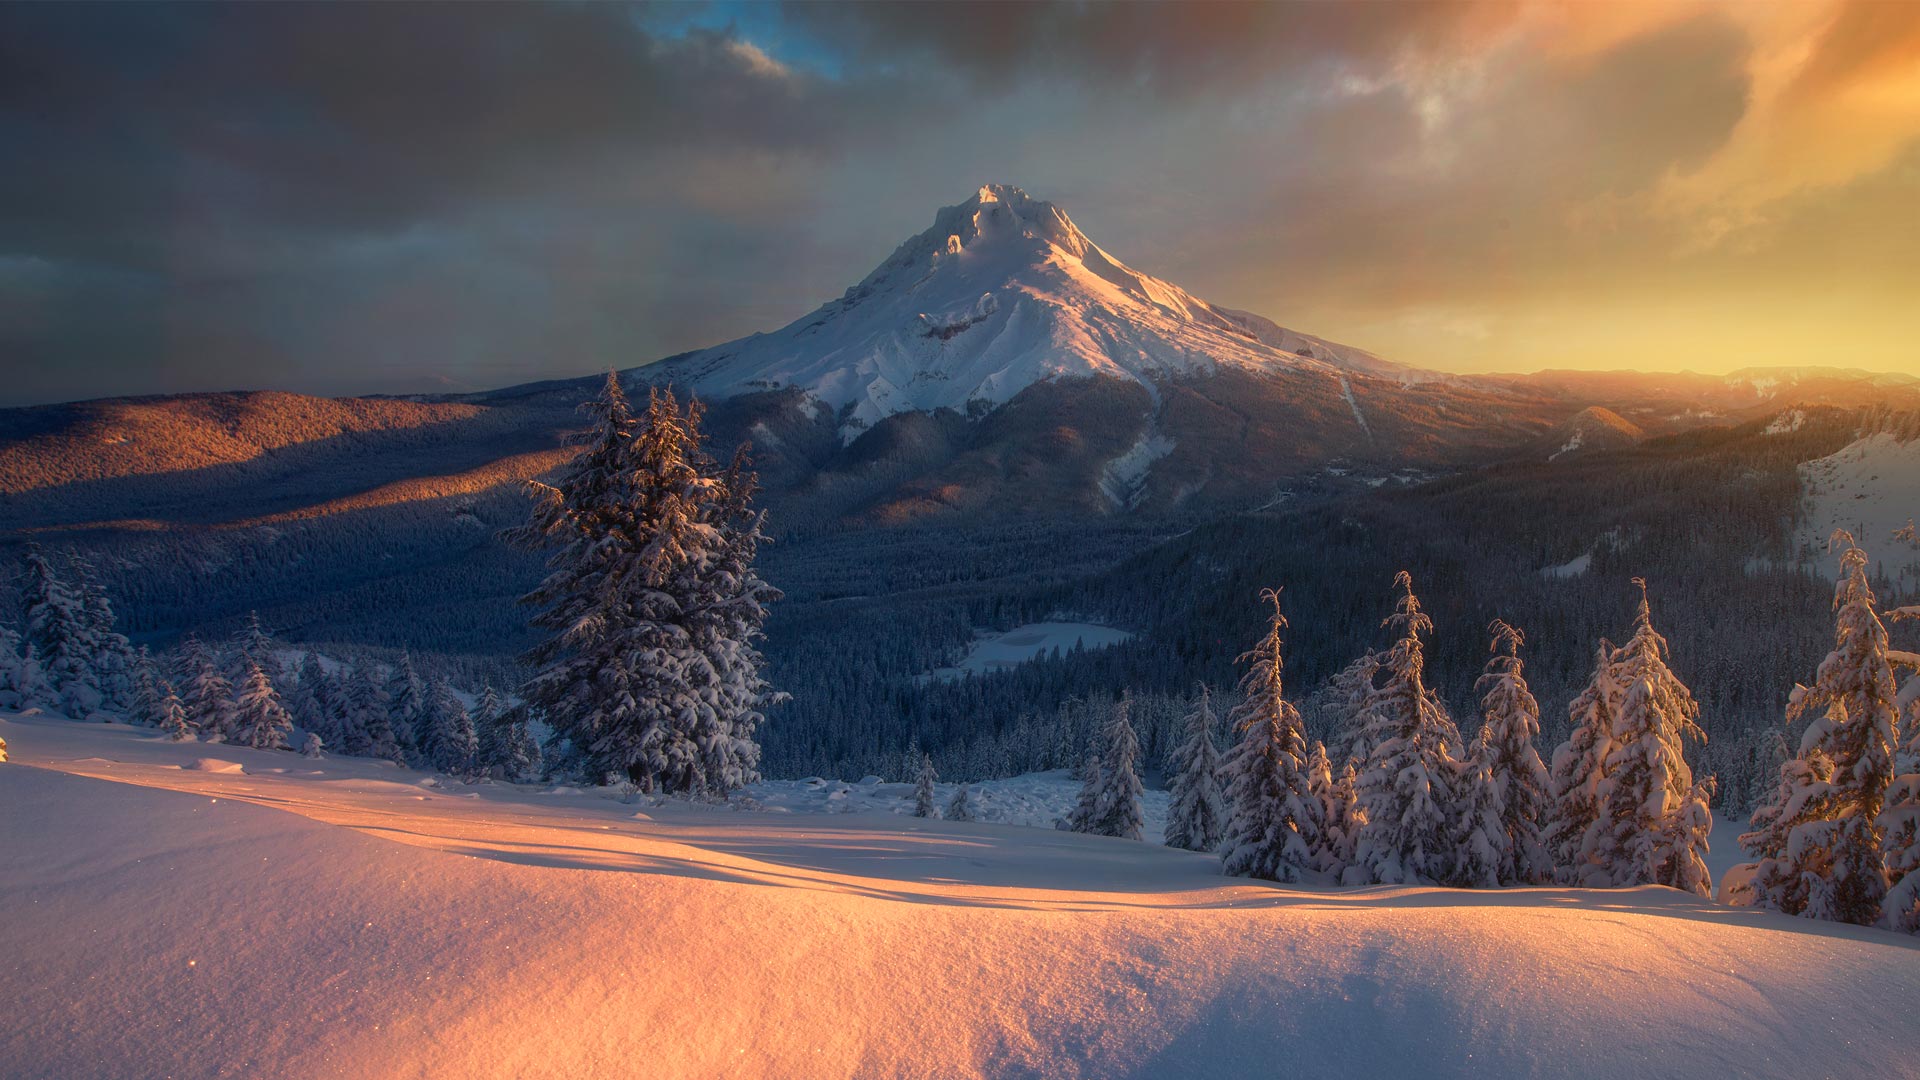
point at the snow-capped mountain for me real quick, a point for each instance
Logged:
(1003, 291)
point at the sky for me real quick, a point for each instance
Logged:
(392, 198)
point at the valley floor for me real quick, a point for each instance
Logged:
(194, 910)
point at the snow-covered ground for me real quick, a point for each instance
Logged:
(297, 918)
(1871, 488)
(1572, 568)
(998, 651)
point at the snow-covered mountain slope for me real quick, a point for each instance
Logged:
(1003, 291)
(194, 910)
(1871, 488)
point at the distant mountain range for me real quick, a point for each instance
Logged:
(999, 363)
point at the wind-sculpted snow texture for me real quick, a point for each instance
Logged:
(297, 918)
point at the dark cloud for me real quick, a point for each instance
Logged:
(359, 197)
(1174, 48)
(235, 190)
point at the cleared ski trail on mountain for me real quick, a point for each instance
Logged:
(342, 917)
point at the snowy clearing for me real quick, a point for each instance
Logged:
(1572, 568)
(348, 918)
(998, 651)
(1871, 488)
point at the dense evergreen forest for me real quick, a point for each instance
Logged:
(1708, 518)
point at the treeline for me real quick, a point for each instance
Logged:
(69, 658)
(1403, 798)
(1709, 519)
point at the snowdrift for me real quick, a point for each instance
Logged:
(341, 917)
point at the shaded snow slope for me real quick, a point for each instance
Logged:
(1003, 291)
(340, 918)
(1871, 487)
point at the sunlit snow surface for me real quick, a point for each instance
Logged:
(347, 918)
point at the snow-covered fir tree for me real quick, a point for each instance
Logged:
(1766, 752)
(1505, 750)
(34, 688)
(1405, 791)
(1116, 807)
(406, 696)
(524, 764)
(1769, 833)
(1342, 821)
(1087, 803)
(493, 734)
(15, 684)
(110, 655)
(1900, 819)
(1196, 806)
(1479, 840)
(1818, 844)
(1900, 829)
(253, 643)
(1654, 818)
(507, 749)
(207, 693)
(143, 707)
(726, 621)
(259, 720)
(313, 701)
(1578, 767)
(61, 635)
(447, 740)
(1341, 706)
(923, 789)
(312, 747)
(653, 602)
(173, 715)
(366, 721)
(1275, 822)
(960, 807)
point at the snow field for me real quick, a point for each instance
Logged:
(345, 917)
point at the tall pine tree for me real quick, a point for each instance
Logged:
(1505, 749)
(1578, 767)
(447, 740)
(1654, 819)
(208, 694)
(1109, 803)
(1406, 788)
(258, 719)
(110, 657)
(1196, 807)
(1818, 843)
(406, 696)
(923, 789)
(60, 635)
(653, 603)
(1274, 819)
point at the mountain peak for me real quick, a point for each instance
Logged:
(1001, 292)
